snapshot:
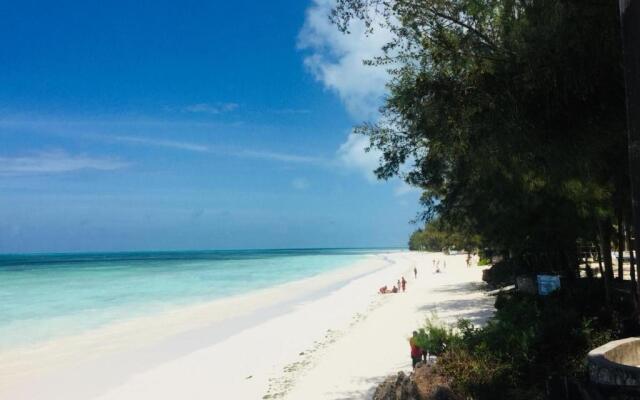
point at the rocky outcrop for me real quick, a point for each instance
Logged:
(399, 387)
(430, 385)
(422, 384)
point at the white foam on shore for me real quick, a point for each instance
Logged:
(323, 337)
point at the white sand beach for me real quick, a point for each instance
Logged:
(328, 337)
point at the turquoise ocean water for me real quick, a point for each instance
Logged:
(45, 296)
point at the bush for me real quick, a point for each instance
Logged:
(435, 337)
(484, 261)
(529, 341)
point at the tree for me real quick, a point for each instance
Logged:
(511, 113)
(438, 236)
(630, 22)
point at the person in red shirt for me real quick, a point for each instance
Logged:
(416, 352)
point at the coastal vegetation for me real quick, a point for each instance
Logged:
(510, 117)
(532, 348)
(438, 236)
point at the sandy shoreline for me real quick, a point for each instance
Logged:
(330, 336)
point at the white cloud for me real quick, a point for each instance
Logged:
(56, 162)
(404, 188)
(352, 155)
(300, 184)
(336, 59)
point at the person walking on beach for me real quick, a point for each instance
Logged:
(416, 352)
(404, 284)
(415, 272)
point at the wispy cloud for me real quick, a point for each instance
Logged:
(75, 125)
(284, 157)
(336, 60)
(160, 143)
(291, 111)
(404, 188)
(95, 130)
(208, 108)
(228, 151)
(56, 162)
(352, 155)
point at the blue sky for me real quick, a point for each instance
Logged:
(189, 125)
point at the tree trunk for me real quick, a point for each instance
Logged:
(620, 247)
(600, 261)
(632, 260)
(572, 260)
(587, 267)
(604, 226)
(632, 266)
(605, 247)
(630, 28)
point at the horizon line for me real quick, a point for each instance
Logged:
(42, 253)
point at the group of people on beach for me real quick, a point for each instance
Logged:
(436, 265)
(402, 285)
(472, 259)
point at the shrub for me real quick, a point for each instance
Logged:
(435, 337)
(528, 342)
(484, 261)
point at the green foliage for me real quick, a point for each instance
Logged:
(484, 261)
(437, 236)
(529, 341)
(429, 239)
(501, 106)
(435, 337)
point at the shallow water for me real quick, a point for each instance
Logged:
(45, 296)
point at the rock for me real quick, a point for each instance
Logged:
(432, 386)
(399, 387)
(422, 384)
